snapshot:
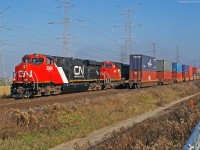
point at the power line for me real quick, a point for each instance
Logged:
(2, 11)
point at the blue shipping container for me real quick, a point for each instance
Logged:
(185, 68)
(176, 67)
(142, 62)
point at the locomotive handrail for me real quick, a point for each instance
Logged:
(106, 80)
(36, 79)
(193, 142)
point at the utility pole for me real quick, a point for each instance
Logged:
(66, 5)
(177, 54)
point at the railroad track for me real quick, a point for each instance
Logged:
(64, 98)
(74, 98)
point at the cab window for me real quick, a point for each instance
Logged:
(49, 61)
(37, 61)
(108, 65)
(26, 60)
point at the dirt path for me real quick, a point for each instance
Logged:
(97, 135)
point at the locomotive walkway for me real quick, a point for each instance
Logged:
(98, 134)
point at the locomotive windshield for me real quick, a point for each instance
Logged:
(37, 61)
(108, 65)
(26, 60)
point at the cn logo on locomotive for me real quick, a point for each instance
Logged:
(79, 71)
(24, 73)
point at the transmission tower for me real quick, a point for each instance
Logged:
(127, 49)
(3, 76)
(177, 54)
(194, 63)
(66, 5)
(154, 43)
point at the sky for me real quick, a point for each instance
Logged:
(97, 29)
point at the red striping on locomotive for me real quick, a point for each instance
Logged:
(62, 75)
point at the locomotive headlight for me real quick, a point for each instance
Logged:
(24, 66)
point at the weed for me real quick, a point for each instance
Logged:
(57, 123)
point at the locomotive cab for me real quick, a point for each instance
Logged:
(33, 73)
(110, 71)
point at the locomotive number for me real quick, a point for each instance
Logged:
(49, 68)
(79, 71)
(24, 73)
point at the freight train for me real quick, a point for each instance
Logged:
(39, 74)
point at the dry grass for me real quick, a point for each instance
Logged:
(55, 124)
(167, 131)
(4, 91)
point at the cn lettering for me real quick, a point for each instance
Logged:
(79, 71)
(24, 73)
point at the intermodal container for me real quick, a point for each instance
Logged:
(177, 75)
(142, 62)
(186, 75)
(164, 75)
(176, 67)
(195, 70)
(185, 68)
(142, 75)
(190, 71)
(164, 66)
